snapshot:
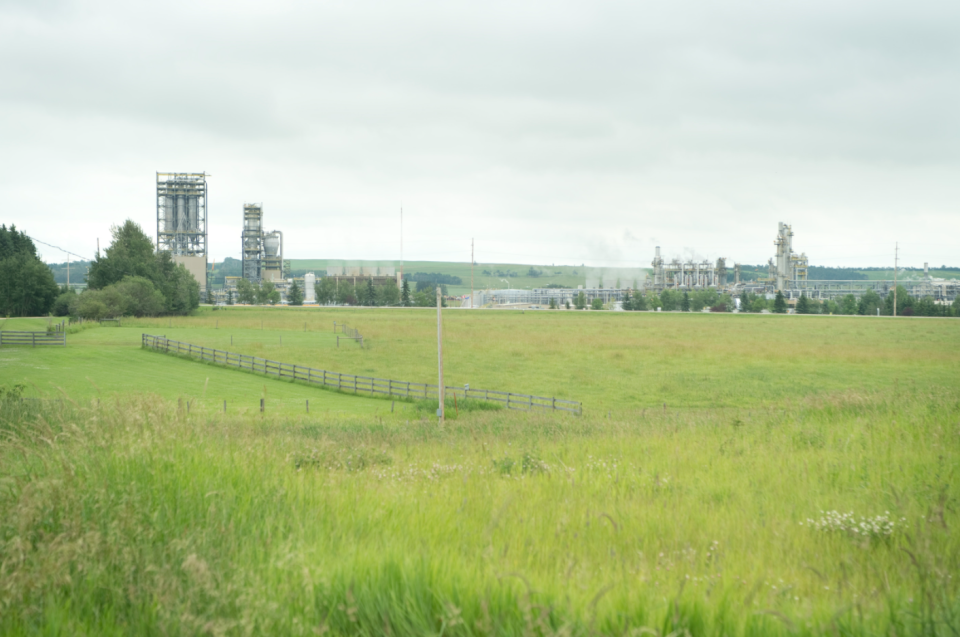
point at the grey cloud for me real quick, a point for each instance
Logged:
(697, 122)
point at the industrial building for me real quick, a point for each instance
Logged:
(182, 221)
(787, 272)
(262, 251)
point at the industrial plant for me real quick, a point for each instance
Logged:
(262, 251)
(182, 221)
(787, 272)
(182, 200)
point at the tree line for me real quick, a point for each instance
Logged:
(27, 287)
(130, 278)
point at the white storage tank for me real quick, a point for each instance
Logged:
(271, 245)
(308, 293)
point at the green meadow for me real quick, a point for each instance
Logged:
(611, 361)
(730, 475)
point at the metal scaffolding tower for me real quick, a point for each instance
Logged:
(252, 239)
(182, 214)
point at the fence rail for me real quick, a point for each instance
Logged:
(348, 332)
(33, 338)
(350, 382)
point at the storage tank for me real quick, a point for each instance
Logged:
(308, 293)
(271, 245)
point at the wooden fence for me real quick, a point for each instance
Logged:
(58, 337)
(356, 384)
(348, 332)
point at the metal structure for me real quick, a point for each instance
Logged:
(790, 269)
(252, 241)
(262, 251)
(686, 275)
(182, 200)
(182, 214)
(271, 264)
(787, 273)
(542, 296)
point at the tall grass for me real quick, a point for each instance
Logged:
(137, 518)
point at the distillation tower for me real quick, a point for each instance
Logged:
(688, 275)
(262, 251)
(182, 221)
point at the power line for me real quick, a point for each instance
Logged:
(59, 248)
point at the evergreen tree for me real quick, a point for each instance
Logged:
(685, 303)
(780, 304)
(229, 297)
(580, 302)
(27, 287)
(869, 303)
(553, 303)
(370, 293)
(405, 294)
(295, 294)
(627, 302)
(803, 304)
(640, 303)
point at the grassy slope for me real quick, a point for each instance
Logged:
(887, 275)
(481, 281)
(108, 362)
(567, 278)
(619, 361)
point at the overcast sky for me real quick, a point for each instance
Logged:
(552, 132)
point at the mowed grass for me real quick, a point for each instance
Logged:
(107, 362)
(610, 361)
(140, 519)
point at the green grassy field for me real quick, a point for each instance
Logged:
(712, 516)
(623, 362)
(107, 363)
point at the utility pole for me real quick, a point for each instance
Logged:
(896, 255)
(471, 274)
(440, 354)
(401, 245)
